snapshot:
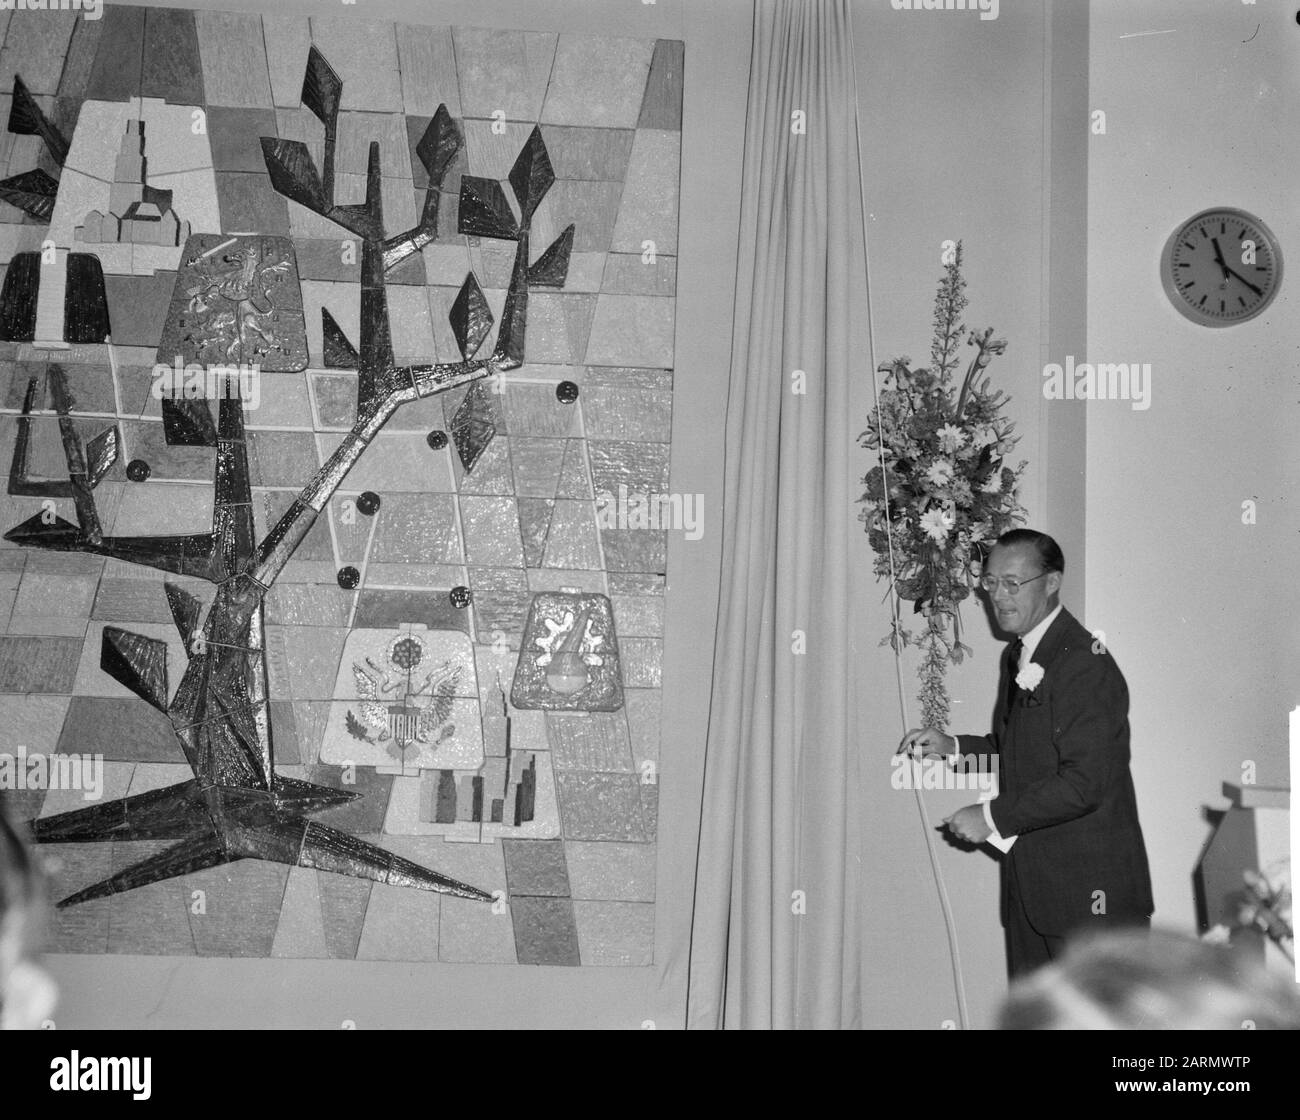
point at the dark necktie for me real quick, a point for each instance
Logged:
(1013, 667)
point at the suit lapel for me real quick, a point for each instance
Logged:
(1044, 655)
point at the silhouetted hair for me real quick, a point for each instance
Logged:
(22, 891)
(1049, 552)
(1151, 980)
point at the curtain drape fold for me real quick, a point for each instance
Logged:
(775, 934)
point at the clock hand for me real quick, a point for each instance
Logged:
(1218, 257)
(1229, 272)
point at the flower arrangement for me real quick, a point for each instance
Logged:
(1263, 905)
(941, 494)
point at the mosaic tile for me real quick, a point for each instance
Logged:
(335, 395)
(281, 458)
(401, 924)
(590, 206)
(34, 50)
(615, 933)
(364, 55)
(636, 583)
(395, 462)
(536, 867)
(588, 153)
(597, 82)
(153, 919)
(575, 479)
(328, 259)
(84, 928)
(313, 660)
(303, 604)
(187, 509)
(491, 532)
(532, 410)
(600, 806)
(630, 330)
(536, 463)
(235, 136)
(505, 70)
(47, 594)
(428, 66)
(120, 729)
(343, 903)
(137, 306)
(412, 328)
(288, 39)
(649, 205)
(544, 930)
(627, 414)
(240, 909)
(501, 615)
(644, 707)
(641, 467)
(365, 816)
(80, 59)
(492, 153)
(356, 131)
(249, 204)
(558, 326)
(417, 528)
(172, 68)
(116, 781)
(446, 264)
(385, 608)
(611, 872)
(642, 662)
(534, 524)
(309, 718)
(590, 740)
(234, 59)
(38, 664)
(630, 274)
(284, 733)
(650, 808)
(557, 579)
(300, 931)
(572, 541)
(34, 721)
(639, 616)
(661, 107)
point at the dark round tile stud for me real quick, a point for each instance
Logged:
(460, 597)
(436, 440)
(368, 503)
(566, 392)
(349, 578)
(137, 470)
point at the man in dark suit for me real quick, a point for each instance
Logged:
(1076, 859)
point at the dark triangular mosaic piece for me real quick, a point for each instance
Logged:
(322, 88)
(293, 174)
(471, 318)
(551, 269)
(472, 427)
(185, 610)
(187, 422)
(438, 146)
(32, 192)
(27, 119)
(18, 298)
(137, 662)
(484, 209)
(85, 304)
(339, 352)
(532, 175)
(37, 532)
(101, 454)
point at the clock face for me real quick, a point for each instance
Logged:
(1221, 267)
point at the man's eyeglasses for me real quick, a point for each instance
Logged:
(1013, 585)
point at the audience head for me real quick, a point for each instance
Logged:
(27, 993)
(1149, 980)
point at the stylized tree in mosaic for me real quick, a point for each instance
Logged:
(236, 806)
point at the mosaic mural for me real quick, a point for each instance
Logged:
(323, 345)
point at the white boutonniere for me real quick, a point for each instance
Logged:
(1030, 677)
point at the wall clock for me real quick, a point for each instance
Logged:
(1221, 267)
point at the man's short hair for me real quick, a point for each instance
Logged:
(1049, 552)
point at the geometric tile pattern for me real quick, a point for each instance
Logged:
(528, 517)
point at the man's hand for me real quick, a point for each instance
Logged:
(969, 824)
(928, 742)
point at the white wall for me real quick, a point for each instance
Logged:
(1199, 609)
